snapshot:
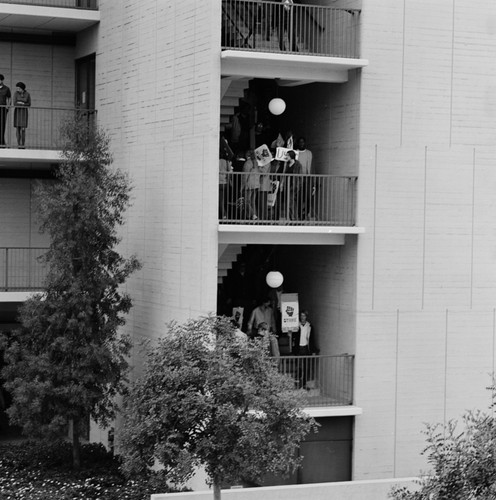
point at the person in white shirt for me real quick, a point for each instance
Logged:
(305, 346)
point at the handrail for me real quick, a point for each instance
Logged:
(304, 29)
(21, 268)
(42, 125)
(327, 380)
(233, 23)
(286, 199)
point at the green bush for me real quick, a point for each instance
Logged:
(37, 470)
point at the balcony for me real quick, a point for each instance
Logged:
(328, 380)
(288, 209)
(48, 16)
(43, 140)
(21, 269)
(288, 200)
(298, 43)
(71, 4)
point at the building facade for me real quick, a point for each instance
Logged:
(396, 264)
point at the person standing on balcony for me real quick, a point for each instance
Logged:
(224, 171)
(308, 188)
(261, 314)
(265, 189)
(4, 102)
(292, 186)
(287, 23)
(22, 100)
(251, 184)
(304, 345)
(269, 339)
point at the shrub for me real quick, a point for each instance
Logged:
(38, 470)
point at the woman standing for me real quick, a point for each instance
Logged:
(21, 101)
(251, 183)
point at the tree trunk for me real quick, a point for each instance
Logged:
(76, 445)
(216, 490)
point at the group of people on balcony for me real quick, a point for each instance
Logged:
(281, 189)
(262, 323)
(20, 101)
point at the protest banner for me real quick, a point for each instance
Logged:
(263, 155)
(290, 312)
(281, 154)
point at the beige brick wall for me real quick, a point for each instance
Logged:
(157, 90)
(426, 284)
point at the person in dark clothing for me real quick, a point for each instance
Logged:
(21, 101)
(4, 102)
(304, 345)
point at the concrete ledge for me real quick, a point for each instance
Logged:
(288, 235)
(375, 489)
(16, 296)
(333, 411)
(293, 67)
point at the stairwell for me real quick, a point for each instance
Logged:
(231, 91)
(228, 254)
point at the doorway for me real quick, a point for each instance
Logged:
(85, 82)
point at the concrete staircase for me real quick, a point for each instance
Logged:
(231, 91)
(227, 255)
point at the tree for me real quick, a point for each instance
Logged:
(208, 398)
(463, 461)
(67, 362)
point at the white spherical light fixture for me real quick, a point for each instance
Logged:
(274, 279)
(277, 106)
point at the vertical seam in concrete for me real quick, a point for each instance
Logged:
(181, 235)
(472, 235)
(31, 187)
(452, 71)
(52, 69)
(424, 228)
(202, 260)
(402, 73)
(396, 391)
(373, 234)
(445, 365)
(492, 356)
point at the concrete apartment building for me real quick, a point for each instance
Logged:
(398, 269)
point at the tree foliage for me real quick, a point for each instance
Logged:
(463, 461)
(67, 361)
(208, 398)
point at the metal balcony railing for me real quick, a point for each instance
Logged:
(328, 380)
(287, 199)
(303, 29)
(43, 125)
(72, 4)
(21, 269)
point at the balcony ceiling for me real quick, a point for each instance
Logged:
(285, 235)
(291, 69)
(46, 19)
(28, 159)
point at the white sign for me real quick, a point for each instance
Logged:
(263, 155)
(272, 196)
(290, 312)
(282, 154)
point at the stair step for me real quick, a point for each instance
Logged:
(230, 101)
(226, 110)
